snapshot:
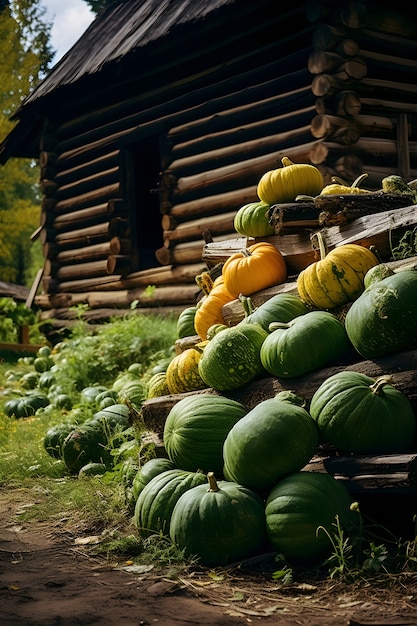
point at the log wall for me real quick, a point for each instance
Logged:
(338, 92)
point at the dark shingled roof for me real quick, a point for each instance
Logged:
(123, 28)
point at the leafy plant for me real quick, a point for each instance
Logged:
(406, 247)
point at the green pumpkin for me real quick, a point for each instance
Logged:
(275, 438)
(376, 273)
(283, 307)
(304, 344)
(297, 510)
(156, 501)
(185, 322)
(46, 379)
(195, 430)
(89, 394)
(133, 393)
(361, 415)
(147, 471)
(251, 220)
(115, 417)
(232, 358)
(26, 404)
(220, 524)
(85, 444)
(54, 438)
(383, 319)
(92, 469)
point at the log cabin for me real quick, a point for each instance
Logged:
(156, 126)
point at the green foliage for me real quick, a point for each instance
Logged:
(406, 246)
(25, 54)
(88, 359)
(99, 5)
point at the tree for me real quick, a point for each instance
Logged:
(25, 55)
(99, 5)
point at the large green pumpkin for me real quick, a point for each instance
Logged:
(304, 344)
(150, 469)
(195, 430)
(361, 415)
(156, 501)
(383, 319)
(283, 307)
(275, 438)
(251, 220)
(232, 358)
(299, 510)
(220, 524)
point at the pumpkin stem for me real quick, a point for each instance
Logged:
(377, 386)
(277, 325)
(246, 252)
(303, 198)
(359, 180)
(321, 242)
(376, 253)
(286, 162)
(247, 305)
(213, 486)
(339, 181)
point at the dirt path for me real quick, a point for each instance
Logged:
(47, 579)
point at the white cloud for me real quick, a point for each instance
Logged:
(70, 20)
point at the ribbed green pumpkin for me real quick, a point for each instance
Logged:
(185, 322)
(114, 417)
(275, 438)
(304, 344)
(156, 501)
(298, 505)
(283, 307)
(220, 524)
(26, 404)
(361, 415)
(383, 319)
(85, 444)
(195, 430)
(54, 438)
(251, 220)
(232, 358)
(149, 470)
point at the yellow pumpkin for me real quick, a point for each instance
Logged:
(338, 186)
(286, 183)
(254, 268)
(209, 311)
(182, 372)
(337, 278)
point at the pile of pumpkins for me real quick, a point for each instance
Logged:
(292, 333)
(233, 481)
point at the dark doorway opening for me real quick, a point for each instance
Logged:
(143, 173)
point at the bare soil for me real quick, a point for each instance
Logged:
(48, 577)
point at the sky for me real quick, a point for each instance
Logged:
(70, 19)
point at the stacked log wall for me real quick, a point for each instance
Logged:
(342, 98)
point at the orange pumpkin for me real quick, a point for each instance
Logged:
(209, 311)
(254, 268)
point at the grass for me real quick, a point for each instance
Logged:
(92, 505)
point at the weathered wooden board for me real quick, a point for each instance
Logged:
(402, 367)
(378, 230)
